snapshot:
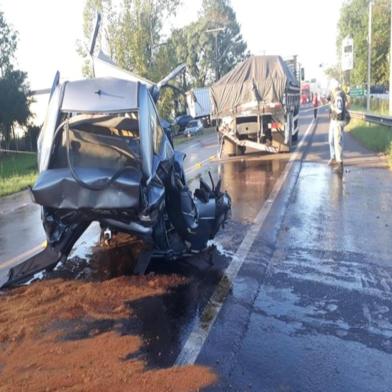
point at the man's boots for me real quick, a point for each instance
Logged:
(339, 168)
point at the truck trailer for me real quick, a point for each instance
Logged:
(199, 103)
(256, 105)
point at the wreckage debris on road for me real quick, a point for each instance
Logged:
(77, 335)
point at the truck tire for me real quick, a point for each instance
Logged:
(295, 125)
(278, 142)
(279, 138)
(240, 150)
(290, 127)
(229, 148)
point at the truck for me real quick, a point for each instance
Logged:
(306, 94)
(256, 106)
(295, 67)
(199, 103)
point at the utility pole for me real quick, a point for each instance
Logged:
(216, 57)
(390, 69)
(216, 32)
(369, 55)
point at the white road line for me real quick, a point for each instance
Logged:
(199, 334)
(2, 212)
(23, 256)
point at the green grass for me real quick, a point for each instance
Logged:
(17, 172)
(373, 136)
(182, 139)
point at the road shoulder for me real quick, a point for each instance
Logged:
(310, 308)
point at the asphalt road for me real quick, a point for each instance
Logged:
(311, 309)
(309, 306)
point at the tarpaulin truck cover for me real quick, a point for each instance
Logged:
(259, 78)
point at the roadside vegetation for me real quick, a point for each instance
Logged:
(17, 172)
(354, 22)
(138, 41)
(373, 136)
(14, 88)
(377, 105)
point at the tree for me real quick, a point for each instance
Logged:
(14, 88)
(353, 22)
(31, 137)
(8, 42)
(206, 58)
(90, 9)
(133, 37)
(132, 32)
(194, 47)
(231, 48)
(334, 72)
(14, 103)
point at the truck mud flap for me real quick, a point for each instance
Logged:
(246, 143)
(43, 260)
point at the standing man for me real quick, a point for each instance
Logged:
(338, 104)
(316, 104)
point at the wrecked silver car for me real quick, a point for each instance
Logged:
(103, 156)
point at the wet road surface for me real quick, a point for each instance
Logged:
(311, 309)
(165, 321)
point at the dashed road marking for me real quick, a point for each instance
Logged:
(200, 164)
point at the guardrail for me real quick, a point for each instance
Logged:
(372, 118)
(17, 152)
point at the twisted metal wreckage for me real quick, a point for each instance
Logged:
(103, 156)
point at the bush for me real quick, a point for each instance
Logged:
(377, 105)
(17, 172)
(373, 136)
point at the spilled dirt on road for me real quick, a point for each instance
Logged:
(58, 334)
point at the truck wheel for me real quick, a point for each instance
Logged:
(240, 150)
(290, 125)
(229, 148)
(278, 142)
